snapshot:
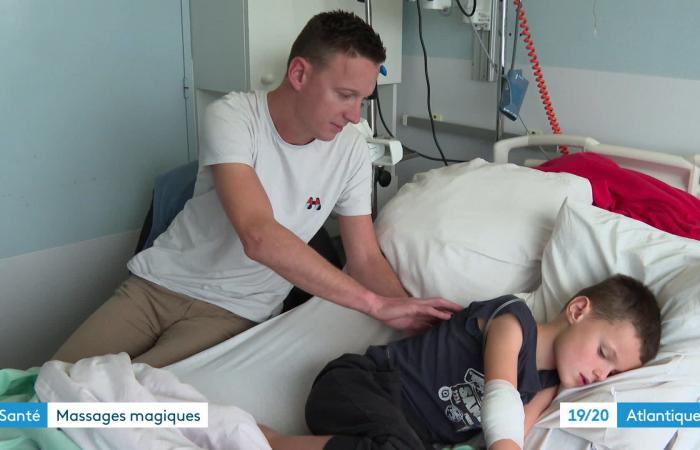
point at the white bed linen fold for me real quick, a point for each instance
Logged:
(112, 378)
(676, 375)
(269, 369)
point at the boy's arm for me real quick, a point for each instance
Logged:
(537, 405)
(503, 343)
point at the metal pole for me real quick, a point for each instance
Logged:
(501, 30)
(371, 119)
(368, 12)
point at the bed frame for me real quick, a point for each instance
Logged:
(682, 172)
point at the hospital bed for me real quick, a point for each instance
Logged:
(269, 369)
(473, 231)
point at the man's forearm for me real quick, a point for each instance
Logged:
(377, 275)
(267, 242)
(282, 251)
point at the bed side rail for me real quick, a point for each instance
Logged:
(686, 170)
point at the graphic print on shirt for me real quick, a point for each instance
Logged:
(465, 399)
(313, 202)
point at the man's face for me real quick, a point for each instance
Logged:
(333, 95)
(591, 349)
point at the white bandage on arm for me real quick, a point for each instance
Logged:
(502, 413)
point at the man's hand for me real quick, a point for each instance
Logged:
(413, 315)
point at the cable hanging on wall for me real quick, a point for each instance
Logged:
(461, 8)
(522, 23)
(537, 70)
(386, 127)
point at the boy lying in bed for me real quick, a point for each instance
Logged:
(476, 371)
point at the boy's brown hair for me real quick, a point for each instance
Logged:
(337, 32)
(623, 298)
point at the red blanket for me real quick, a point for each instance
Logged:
(633, 194)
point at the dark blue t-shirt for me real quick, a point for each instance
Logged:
(442, 370)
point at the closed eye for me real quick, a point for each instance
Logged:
(350, 95)
(347, 94)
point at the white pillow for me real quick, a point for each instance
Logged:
(589, 244)
(475, 230)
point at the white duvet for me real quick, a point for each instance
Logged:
(112, 378)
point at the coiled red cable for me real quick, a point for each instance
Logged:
(537, 69)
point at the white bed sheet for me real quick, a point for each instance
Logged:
(268, 370)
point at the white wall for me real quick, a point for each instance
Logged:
(92, 108)
(644, 111)
(48, 293)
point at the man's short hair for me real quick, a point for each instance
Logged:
(333, 32)
(623, 298)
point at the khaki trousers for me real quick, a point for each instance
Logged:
(153, 325)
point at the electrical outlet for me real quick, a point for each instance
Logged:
(438, 117)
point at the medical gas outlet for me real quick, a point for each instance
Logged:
(384, 152)
(436, 4)
(482, 14)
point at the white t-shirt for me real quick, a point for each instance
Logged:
(200, 254)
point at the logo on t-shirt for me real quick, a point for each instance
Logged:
(464, 408)
(313, 203)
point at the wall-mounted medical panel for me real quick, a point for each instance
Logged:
(244, 45)
(604, 36)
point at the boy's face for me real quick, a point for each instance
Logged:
(333, 94)
(590, 349)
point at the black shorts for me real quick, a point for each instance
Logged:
(359, 404)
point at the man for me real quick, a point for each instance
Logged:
(272, 167)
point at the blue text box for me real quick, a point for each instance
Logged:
(658, 415)
(23, 415)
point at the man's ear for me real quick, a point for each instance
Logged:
(578, 308)
(298, 72)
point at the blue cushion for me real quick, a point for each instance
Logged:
(171, 192)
